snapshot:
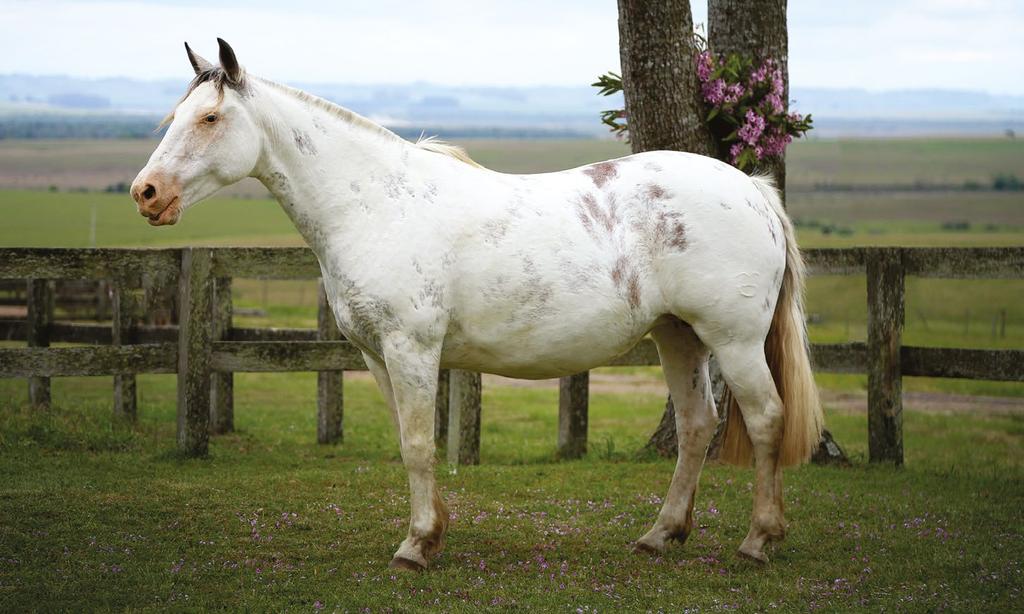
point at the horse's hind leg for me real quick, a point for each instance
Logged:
(750, 381)
(684, 360)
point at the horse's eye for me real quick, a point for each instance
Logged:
(210, 118)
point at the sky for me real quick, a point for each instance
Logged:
(871, 44)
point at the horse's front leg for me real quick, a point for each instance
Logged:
(412, 369)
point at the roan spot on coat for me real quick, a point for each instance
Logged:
(602, 172)
(303, 143)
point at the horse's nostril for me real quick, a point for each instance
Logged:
(149, 192)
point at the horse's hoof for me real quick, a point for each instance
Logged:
(647, 549)
(757, 556)
(404, 564)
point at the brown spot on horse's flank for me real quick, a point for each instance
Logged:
(627, 280)
(633, 287)
(619, 271)
(590, 203)
(671, 230)
(655, 192)
(590, 211)
(602, 172)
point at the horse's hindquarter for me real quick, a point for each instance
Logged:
(564, 271)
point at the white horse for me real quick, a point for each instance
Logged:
(431, 261)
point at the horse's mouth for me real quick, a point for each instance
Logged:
(167, 216)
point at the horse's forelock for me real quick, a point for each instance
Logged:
(215, 75)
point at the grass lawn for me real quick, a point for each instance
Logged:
(97, 514)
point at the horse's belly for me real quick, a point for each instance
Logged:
(543, 349)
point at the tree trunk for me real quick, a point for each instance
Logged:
(755, 28)
(659, 79)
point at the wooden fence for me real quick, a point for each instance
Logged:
(205, 349)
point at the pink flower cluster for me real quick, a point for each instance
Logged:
(747, 107)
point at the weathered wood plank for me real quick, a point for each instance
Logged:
(885, 331)
(840, 357)
(464, 418)
(88, 332)
(273, 334)
(835, 261)
(92, 333)
(125, 265)
(642, 354)
(996, 365)
(573, 403)
(277, 356)
(195, 288)
(125, 398)
(330, 399)
(222, 384)
(100, 360)
(964, 262)
(37, 333)
(266, 263)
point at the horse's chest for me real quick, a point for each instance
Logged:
(362, 318)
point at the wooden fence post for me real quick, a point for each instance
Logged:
(125, 398)
(441, 409)
(222, 385)
(573, 401)
(40, 317)
(195, 289)
(885, 277)
(464, 418)
(330, 398)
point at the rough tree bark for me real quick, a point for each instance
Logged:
(755, 28)
(656, 49)
(664, 109)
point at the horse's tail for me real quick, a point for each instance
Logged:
(787, 353)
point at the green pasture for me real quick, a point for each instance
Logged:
(96, 514)
(101, 515)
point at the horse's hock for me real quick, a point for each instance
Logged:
(204, 349)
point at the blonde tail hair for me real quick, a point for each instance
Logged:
(787, 353)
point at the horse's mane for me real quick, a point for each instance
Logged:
(218, 77)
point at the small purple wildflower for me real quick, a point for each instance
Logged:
(705, 65)
(714, 91)
(751, 131)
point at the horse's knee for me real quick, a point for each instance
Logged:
(418, 453)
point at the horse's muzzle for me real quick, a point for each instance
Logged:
(158, 198)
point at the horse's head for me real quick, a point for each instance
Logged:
(212, 141)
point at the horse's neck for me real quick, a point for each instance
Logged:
(312, 159)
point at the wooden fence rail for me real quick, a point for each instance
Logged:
(205, 349)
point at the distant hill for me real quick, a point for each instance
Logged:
(31, 100)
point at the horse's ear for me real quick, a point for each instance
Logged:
(229, 62)
(198, 63)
